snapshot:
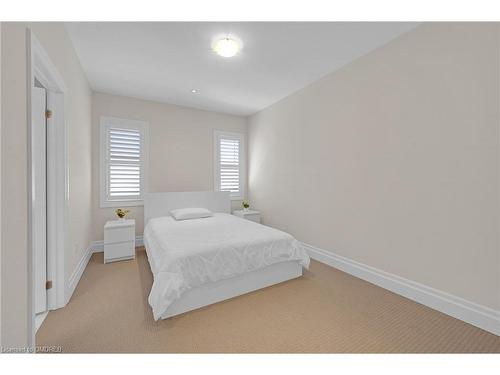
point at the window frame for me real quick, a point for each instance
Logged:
(107, 122)
(242, 165)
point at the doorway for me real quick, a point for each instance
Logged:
(48, 186)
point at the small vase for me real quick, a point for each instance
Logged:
(121, 219)
(245, 208)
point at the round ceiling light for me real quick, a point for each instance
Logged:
(226, 47)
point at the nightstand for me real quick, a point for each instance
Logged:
(251, 215)
(119, 240)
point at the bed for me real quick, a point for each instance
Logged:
(202, 261)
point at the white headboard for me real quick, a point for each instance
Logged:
(160, 204)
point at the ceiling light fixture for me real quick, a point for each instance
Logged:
(226, 46)
(194, 91)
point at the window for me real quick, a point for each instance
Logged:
(124, 162)
(229, 162)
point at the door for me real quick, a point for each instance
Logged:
(39, 204)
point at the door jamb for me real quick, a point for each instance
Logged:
(40, 66)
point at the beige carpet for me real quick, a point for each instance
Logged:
(325, 311)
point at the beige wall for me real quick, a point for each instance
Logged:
(181, 152)
(57, 44)
(393, 161)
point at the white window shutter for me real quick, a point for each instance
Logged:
(229, 163)
(123, 162)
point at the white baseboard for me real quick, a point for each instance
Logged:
(467, 311)
(39, 318)
(95, 247)
(78, 272)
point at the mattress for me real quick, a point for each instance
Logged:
(189, 253)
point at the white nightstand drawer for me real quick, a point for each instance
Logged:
(251, 215)
(119, 235)
(119, 251)
(119, 240)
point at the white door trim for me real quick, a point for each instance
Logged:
(39, 171)
(40, 66)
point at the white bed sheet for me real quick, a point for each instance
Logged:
(189, 253)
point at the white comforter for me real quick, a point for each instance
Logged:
(188, 253)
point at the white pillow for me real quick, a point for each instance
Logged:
(190, 213)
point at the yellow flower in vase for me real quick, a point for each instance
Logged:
(121, 213)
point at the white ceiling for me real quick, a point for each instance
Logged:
(164, 61)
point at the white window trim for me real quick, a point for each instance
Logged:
(105, 122)
(243, 161)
